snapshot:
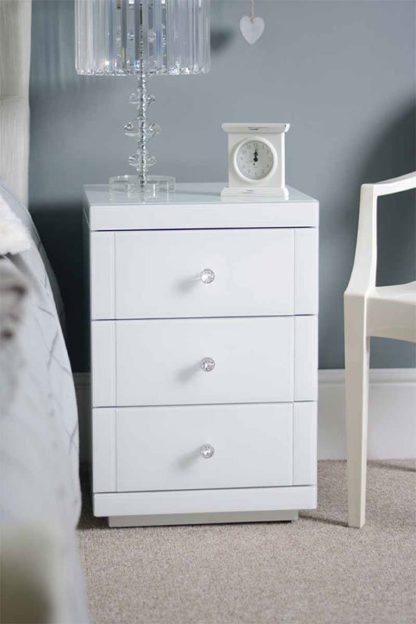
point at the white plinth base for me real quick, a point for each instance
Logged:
(205, 518)
(189, 506)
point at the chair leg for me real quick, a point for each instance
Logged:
(357, 352)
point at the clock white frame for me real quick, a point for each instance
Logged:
(272, 185)
(240, 145)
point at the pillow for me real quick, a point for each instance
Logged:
(14, 237)
(21, 212)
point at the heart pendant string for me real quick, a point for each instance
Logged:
(252, 11)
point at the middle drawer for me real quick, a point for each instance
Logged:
(191, 361)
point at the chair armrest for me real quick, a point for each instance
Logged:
(395, 185)
(363, 276)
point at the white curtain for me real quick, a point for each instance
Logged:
(15, 37)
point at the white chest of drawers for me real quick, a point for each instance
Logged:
(203, 357)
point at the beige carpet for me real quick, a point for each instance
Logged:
(313, 571)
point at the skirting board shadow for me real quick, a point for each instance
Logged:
(392, 415)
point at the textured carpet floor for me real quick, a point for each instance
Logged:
(314, 571)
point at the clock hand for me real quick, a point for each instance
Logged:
(256, 156)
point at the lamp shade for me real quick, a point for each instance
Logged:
(126, 37)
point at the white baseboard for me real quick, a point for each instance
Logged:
(392, 418)
(392, 414)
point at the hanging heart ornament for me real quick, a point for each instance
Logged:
(251, 28)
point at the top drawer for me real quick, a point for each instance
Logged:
(203, 273)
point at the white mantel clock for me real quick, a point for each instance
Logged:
(256, 160)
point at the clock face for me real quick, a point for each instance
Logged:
(255, 159)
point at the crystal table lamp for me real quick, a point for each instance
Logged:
(142, 38)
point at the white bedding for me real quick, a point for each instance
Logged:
(39, 484)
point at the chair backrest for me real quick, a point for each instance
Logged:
(363, 276)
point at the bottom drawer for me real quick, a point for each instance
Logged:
(204, 447)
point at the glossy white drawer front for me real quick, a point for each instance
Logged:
(159, 448)
(161, 362)
(203, 273)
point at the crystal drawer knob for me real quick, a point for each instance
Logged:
(207, 364)
(207, 276)
(207, 451)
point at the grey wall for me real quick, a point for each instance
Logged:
(341, 72)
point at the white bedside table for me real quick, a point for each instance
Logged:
(204, 357)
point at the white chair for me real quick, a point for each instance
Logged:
(387, 312)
